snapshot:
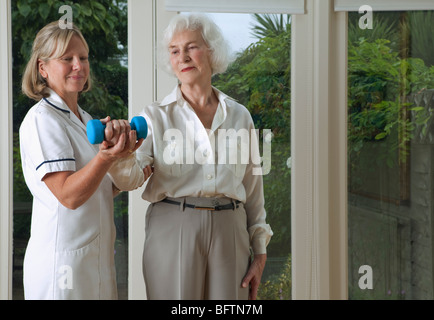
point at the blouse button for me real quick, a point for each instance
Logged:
(209, 177)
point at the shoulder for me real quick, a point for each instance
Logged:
(44, 107)
(154, 110)
(237, 107)
(238, 111)
(232, 105)
(159, 108)
(43, 115)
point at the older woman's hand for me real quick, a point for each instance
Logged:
(254, 274)
(120, 141)
(114, 129)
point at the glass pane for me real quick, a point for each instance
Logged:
(104, 26)
(390, 152)
(260, 80)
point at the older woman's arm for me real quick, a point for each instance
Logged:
(127, 175)
(259, 231)
(130, 173)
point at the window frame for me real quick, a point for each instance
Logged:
(237, 6)
(6, 178)
(384, 5)
(319, 153)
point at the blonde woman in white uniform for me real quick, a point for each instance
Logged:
(70, 254)
(207, 211)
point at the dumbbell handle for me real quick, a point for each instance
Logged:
(95, 129)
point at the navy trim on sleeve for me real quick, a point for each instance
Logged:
(51, 161)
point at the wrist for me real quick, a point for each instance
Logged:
(105, 159)
(261, 258)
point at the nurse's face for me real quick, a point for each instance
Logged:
(190, 57)
(67, 74)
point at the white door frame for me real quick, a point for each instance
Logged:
(6, 124)
(318, 147)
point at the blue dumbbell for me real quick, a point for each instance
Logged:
(95, 129)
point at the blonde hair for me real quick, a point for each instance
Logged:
(51, 42)
(211, 34)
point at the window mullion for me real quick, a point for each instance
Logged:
(319, 153)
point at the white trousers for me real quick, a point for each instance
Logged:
(192, 254)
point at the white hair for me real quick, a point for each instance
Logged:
(211, 33)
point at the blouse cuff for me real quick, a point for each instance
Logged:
(126, 174)
(260, 236)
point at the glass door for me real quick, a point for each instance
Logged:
(390, 156)
(259, 78)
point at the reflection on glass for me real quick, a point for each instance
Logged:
(259, 79)
(390, 156)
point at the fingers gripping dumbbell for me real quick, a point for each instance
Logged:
(95, 129)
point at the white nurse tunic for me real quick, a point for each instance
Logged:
(70, 254)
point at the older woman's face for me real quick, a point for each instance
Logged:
(190, 57)
(68, 74)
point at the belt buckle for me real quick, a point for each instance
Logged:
(215, 203)
(204, 208)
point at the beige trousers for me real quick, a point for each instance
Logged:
(192, 254)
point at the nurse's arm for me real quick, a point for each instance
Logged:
(73, 189)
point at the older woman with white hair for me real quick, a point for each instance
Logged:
(207, 214)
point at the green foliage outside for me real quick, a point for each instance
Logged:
(379, 82)
(279, 287)
(387, 66)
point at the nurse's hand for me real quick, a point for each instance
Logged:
(120, 141)
(114, 129)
